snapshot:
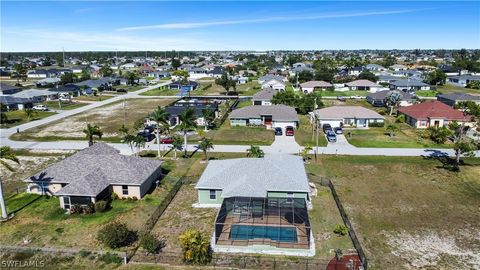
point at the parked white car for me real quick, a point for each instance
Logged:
(40, 107)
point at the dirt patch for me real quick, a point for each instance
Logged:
(432, 248)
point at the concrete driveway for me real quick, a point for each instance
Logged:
(284, 144)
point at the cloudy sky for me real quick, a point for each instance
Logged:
(155, 25)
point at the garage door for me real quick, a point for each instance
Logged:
(333, 123)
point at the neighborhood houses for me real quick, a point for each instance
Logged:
(247, 135)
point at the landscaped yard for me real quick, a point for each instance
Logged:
(109, 118)
(406, 137)
(427, 93)
(15, 118)
(409, 212)
(303, 134)
(54, 105)
(236, 135)
(448, 88)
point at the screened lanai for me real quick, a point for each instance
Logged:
(278, 222)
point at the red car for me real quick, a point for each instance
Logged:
(166, 140)
(289, 131)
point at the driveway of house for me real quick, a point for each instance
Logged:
(283, 144)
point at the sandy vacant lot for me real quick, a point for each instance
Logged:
(409, 212)
(110, 118)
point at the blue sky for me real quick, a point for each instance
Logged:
(125, 25)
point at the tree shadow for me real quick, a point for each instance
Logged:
(446, 162)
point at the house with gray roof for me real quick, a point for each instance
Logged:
(454, 98)
(310, 86)
(379, 98)
(36, 95)
(409, 85)
(94, 174)
(6, 89)
(463, 80)
(264, 97)
(14, 103)
(268, 116)
(271, 176)
(352, 116)
(263, 205)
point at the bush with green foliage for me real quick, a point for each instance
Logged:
(110, 258)
(340, 229)
(196, 247)
(150, 243)
(114, 235)
(400, 119)
(376, 124)
(102, 206)
(439, 135)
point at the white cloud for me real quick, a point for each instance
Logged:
(191, 25)
(41, 40)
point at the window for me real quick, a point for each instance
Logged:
(125, 190)
(423, 123)
(66, 202)
(213, 194)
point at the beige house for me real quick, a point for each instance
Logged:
(94, 174)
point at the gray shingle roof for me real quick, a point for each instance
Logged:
(32, 93)
(342, 112)
(406, 82)
(459, 97)
(254, 177)
(266, 94)
(278, 112)
(91, 170)
(310, 84)
(361, 83)
(383, 94)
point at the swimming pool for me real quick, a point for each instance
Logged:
(279, 234)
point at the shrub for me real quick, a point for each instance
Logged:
(101, 206)
(75, 209)
(382, 112)
(376, 124)
(84, 253)
(88, 209)
(195, 246)
(110, 258)
(340, 229)
(115, 235)
(150, 243)
(114, 196)
(400, 119)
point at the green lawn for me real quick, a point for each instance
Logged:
(161, 91)
(209, 87)
(448, 88)
(15, 118)
(407, 137)
(236, 135)
(406, 209)
(303, 134)
(93, 98)
(245, 103)
(427, 93)
(54, 105)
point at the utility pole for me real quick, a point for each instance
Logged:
(63, 56)
(316, 128)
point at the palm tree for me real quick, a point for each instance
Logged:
(392, 129)
(6, 153)
(176, 144)
(91, 131)
(187, 123)
(29, 113)
(305, 152)
(139, 142)
(205, 145)
(161, 117)
(208, 117)
(255, 151)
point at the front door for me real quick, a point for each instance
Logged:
(437, 123)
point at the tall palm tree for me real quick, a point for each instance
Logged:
(91, 131)
(139, 142)
(6, 153)
(161, 117)
(208, 117)
(205, 145)
(187, 123)
(255, 151)
(176, 144)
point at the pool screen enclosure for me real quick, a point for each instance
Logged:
(277, 222)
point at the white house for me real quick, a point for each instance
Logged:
(277, 85)
(339, 116)
(363, 85)
(310, 86)
(264, 97)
